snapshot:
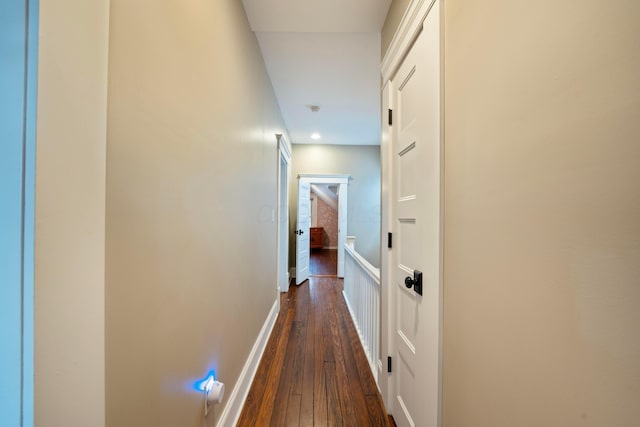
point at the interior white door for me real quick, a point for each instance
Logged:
(302, 231)
(416, 223)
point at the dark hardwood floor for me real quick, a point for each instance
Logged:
(314, 371)
(323, 262)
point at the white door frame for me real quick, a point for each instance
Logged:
(282, 226)
(407, 32)
(343, 184)
(387, 297)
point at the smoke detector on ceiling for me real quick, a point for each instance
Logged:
(314, 108)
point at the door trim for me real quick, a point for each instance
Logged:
(387, 298)
(282, 216)
(405, 35)
(343, 182)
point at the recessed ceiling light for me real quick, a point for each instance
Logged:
(315, 136)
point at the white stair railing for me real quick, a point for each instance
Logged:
(362, 295)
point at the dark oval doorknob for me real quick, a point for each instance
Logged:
(409, 282)
(301, 232)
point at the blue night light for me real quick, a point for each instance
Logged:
(206, 382)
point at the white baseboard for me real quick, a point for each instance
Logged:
(233, 408)
(292, 272)
(330, 247)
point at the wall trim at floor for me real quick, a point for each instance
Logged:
(232, 410)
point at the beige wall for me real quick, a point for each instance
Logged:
(191, 192)
(70, 214)
(542, 214)
(363, 164)
(391, 23)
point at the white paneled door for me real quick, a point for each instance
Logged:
(416, 255)
(302, 231)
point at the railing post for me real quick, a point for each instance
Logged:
(351, 242)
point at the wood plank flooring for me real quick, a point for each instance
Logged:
(314, 371)
(323, 262)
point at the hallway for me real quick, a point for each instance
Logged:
(142, 193)
(314, 371)
(323, 262)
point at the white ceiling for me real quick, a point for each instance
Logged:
(325, 53)
(325, 192)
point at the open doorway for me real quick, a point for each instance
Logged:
(309, 239)
(323, 258)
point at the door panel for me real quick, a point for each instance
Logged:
(408, 168)
(302, 237)
(416, 223)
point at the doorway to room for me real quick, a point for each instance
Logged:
(316, 245)
(324, 230)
